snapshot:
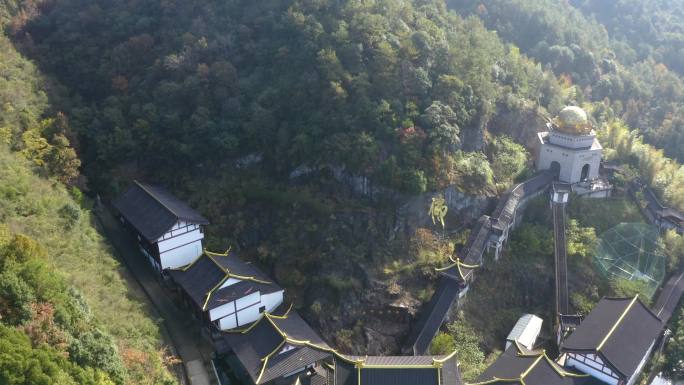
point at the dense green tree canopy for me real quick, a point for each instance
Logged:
(384, 87)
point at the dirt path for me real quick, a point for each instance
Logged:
(182, 329)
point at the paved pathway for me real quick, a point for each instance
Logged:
(669, 297)
(182, 328)
(562, 303)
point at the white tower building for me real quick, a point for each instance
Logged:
(570, 147)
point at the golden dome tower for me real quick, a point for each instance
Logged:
(572, 120)
(570, 147)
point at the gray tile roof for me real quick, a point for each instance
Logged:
(153, 210)
(520, 366)
(620, 329)
(433, 315)
(253, 347)
(504, 213)
(205, 273)
(395, 360)
(397, 370)
(291, 361)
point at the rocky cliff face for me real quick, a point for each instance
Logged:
(521, 124)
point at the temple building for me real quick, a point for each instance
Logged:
(571, 150)
(279, 349)
(226, 292)
(396, 370)
(614, 341)
(284, 350)
(169, 232)
(608, 347)
(518, 365)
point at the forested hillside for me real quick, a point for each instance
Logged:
(387, 89)
(268, 115)
(66, 313)
(253, 110)
(625, 54)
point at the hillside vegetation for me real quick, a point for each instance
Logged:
(255, 112)
(301, 128)
(63, 294)
(394, 89)
(67, 315)
(626, 68)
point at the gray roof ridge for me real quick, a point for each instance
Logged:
(145, 188)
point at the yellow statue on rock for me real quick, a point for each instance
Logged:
(438, 210)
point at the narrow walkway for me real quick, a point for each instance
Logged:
(182, 328)
(669, 297)
(454, 281)
(562, 303)
(432, 316)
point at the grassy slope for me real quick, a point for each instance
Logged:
(34, 206)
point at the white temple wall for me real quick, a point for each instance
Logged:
(181, 256)
(596, 373)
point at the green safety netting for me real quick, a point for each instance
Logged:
(632, 251)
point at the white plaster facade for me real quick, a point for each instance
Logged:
(244, 310)
(577, 156)
(180, 245)
(593, 365)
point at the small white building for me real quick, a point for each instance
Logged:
(570, 147)
(226, 292)
(560, 192)
(613, 343)
(525, 331)
(169, 232)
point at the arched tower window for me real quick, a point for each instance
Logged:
(585, 172)
(556, 168)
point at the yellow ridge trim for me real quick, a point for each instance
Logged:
(446, 267)
(265, 360)
(459, 264)
(224, 254)
(522, 353)
(211, 256)
(444, 359)
(248, 278)
(619, 320)
(252, 326)
(284, 316)
(496, 379)
(426, 366)
(560, 371)
(210, 292)
(189, 265)
(526, 372)
(277, 348)
(460, 272)
(467, 266)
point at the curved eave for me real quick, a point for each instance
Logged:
(464, 270)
